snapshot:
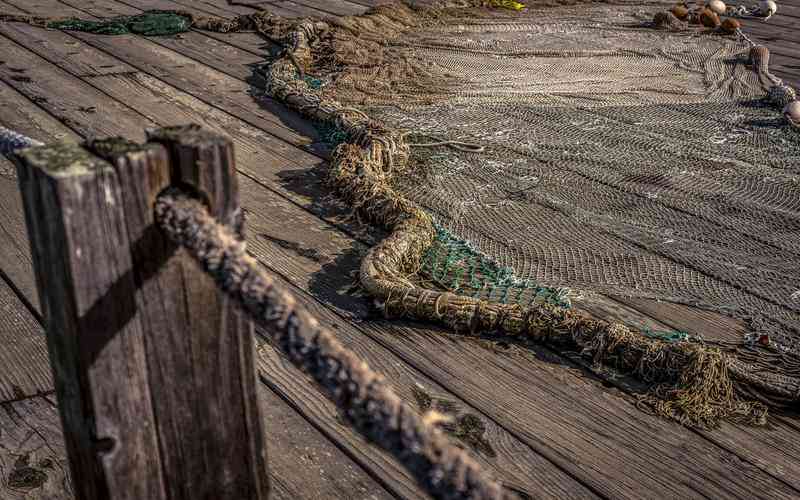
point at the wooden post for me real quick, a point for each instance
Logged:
(153, 364)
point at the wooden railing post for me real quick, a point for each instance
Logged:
(153, 364)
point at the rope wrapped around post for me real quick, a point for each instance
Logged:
(369, 404)
(11, 140)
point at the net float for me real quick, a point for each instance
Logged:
(730, 25)
(792, 112)
(709, 18)
(716, 6)
(767, 8)
(680, 11)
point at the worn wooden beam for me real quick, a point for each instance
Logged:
(153, 365)
(76, 223)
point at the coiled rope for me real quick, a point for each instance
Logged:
(369, 404)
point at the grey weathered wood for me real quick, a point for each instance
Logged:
(276, 175)
(23, 354)
(153, 365)
(199, 346)
(196, 62)
(76, 224)
(33, 461)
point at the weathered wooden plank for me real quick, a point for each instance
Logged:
(339, 473)
(50, 88)
(775, 448)
(222, 8)
(22, 349)
(294, 9)
(304, 463)
(14, 251)
(33, 461)
(150, 100)
(198, 344)
(82, 266)
(334, 7)
(83, 61)
(21, 115)
(155, 57)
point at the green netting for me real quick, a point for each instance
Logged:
(453, 264)
(151, 23)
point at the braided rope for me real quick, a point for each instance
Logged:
(10, 141)
(365, 398)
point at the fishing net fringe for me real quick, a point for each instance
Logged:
(693, 383)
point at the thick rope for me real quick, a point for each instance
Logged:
(10, 141)
(364, 397)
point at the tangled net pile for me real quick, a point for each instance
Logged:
(515, 154)
(577, 147)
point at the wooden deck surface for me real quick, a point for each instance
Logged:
(541, 421)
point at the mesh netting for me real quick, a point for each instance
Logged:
(148, 23)
(516, 154)
(576, 147)
(154, 23)
(618, 158)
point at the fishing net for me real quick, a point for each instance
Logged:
(520, 155)
(617, 158)
(516, 155)
(150, 23)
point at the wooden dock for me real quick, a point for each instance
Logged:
(541, 421)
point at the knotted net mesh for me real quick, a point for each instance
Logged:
(579, 147)
(519, 156)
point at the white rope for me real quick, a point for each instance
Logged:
(10, 141)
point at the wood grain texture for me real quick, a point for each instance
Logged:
(23, 350)
(80, 252)
(199, 346)
(340, 467)
(203, 72)
(24, 116)
(51, 89)
(33, 461)
(34, 466)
